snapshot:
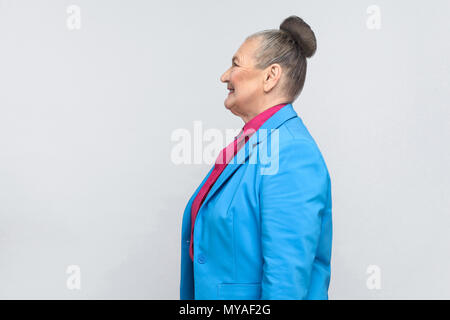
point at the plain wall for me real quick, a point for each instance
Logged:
(86, 118)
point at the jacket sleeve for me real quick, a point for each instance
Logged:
(292, 201)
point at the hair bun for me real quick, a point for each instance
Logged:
(302, 34)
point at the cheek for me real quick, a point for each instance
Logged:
(242, 80)
(235, 78)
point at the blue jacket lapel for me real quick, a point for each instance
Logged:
(274, 122)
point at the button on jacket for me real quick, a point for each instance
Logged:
(264, 229)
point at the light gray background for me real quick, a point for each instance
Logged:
(86, 118)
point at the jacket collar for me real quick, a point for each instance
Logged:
(274, 122)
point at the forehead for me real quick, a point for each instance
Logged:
(246, 51)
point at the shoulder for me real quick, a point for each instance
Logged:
(293, 146)
(293, 135)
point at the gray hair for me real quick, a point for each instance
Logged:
(289, 46)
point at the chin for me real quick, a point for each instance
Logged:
(231, 106)
(227, 104)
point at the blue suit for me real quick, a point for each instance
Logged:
(264, 230)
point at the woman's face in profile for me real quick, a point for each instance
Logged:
(243, 79)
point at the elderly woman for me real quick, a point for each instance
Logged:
(262, 229)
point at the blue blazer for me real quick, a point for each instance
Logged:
(264, 230)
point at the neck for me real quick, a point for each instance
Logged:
(263, 107)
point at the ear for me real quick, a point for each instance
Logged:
(272, 76)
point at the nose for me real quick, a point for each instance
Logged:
(224, 77)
